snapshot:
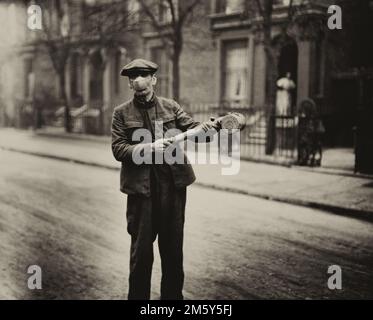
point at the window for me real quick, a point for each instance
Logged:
(117, 66)
(96, 80)
(29, 78)
(286, 2)
(164, 11)
(235, 70)
(13, 29)
(159, 56)
(134, 11)
(230, 6)
(75, 76)
(319, 61)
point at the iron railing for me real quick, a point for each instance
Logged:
(266, 137)
(255, 138)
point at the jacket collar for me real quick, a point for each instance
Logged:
(141, 103)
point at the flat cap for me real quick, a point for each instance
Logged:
(139, 65)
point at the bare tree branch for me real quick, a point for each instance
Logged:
(289, 18)
(173, 14)
(260, 9)
(146, 8)
(171, 34)
(184, 15)
(106, 25)
(157, 26)
(290, 8)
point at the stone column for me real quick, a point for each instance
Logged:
(305, 65)
(68, 80)
(107, 77)
(250, 84)
(308, 35)
(86, 75)
(20, 119)
(260, 71)
(219, 83)
(79, 74)
(108, 90)
(124, 90)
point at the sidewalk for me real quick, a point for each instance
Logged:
(346, 195)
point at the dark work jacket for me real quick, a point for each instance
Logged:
(134, 178)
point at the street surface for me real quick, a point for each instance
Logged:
(70, 220)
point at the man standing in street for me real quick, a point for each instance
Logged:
(156, 192)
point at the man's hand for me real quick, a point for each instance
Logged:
(160, 145)
(211, 124)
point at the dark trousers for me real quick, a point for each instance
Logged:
(160, 214)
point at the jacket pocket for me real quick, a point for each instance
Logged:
(130, 127)
(130, 124)
(169, 122)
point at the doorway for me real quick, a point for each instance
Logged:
(96, 80)
(288, 63)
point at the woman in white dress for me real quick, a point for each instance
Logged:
(283, 98)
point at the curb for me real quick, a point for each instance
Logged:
(335, 172)
(365, 215)
(73, 136)
(60, 158)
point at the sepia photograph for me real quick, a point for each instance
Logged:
(203, 150)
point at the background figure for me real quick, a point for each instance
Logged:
(310, 131)
(283, 98)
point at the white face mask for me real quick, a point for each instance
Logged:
(142, 84)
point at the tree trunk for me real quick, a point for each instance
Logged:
(176, 54)
(272, 75)
(176, 74)
(63, 96)
(272, 79)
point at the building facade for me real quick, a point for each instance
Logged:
(223, 64)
